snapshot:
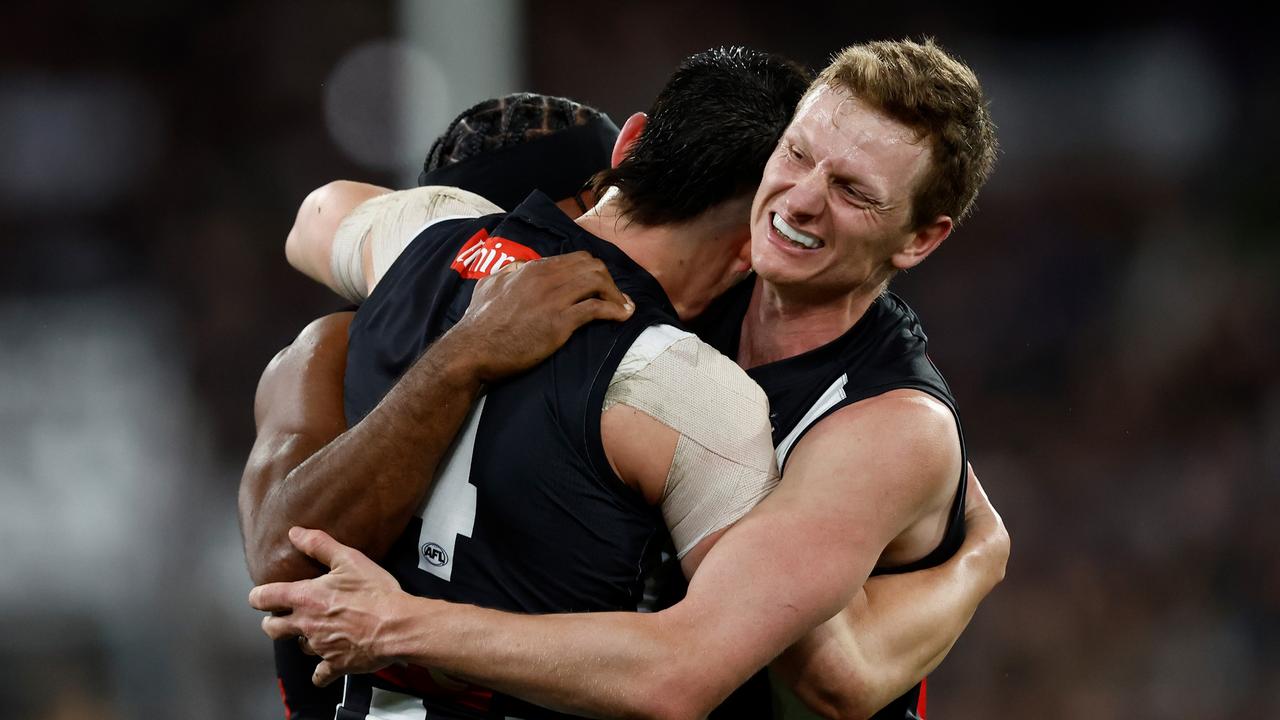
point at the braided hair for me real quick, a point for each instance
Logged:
(505, 122)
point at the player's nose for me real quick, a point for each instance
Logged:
(806, 198)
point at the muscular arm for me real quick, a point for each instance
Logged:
(363, 484)
(790, 564)
(298, 410)
(899, 627)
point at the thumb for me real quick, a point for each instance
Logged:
(586, 311)
(324, 674)
(317, 545)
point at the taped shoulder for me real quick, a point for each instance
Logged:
(724, 461)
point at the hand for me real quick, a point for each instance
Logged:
(339, 615)
(986, 538)
(521, 315)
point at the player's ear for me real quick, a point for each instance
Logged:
(922, 242)
(631, 130)
(742, 263)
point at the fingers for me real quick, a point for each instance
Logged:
(317, 544)
(324, 674)
(279, 627)
(562, 280)
(593, 309)
(597, 282)
(273, 597)
(305, 646)
(507, 268)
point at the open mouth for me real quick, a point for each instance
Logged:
(796, 238)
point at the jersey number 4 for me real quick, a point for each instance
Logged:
(450, 509)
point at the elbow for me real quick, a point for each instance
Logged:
(268, 553)
(851, 693)
(1002, 555)
(296, 250)
(276, 560)
(307, 245)
(853, 701)
(992, 560)
(853, 711)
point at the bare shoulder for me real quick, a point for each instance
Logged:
(325, 331)
(306, 376)
(912, 419)
(906, 438)
(324, 338)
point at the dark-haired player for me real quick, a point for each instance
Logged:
(679, 660)
(295, 414)
(499, 150)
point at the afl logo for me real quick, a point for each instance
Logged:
(435, 554)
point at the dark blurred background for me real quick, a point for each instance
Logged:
(1103, 319)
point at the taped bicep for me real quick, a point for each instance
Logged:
(724, 462)
(371, 237)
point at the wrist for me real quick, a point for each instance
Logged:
(464, 356)
(407, 641)
(458, 360)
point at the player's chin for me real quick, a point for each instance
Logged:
(780, 269)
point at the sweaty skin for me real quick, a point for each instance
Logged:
(894, 632)
(363, 484)
(617, 696)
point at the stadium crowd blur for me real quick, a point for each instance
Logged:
(1107, 319)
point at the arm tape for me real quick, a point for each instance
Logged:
(388, 223)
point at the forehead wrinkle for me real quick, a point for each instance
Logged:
(849, 148)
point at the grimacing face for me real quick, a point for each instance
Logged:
(834, 204)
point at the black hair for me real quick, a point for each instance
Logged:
(710, 132)
(506, 147)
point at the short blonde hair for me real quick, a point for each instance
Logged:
(937, 96)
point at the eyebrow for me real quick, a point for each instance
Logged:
(860, 189)
(794, 135)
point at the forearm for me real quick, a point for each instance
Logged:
(264, 526)
(893, 633)
(625, 665)
(364, 486)
(680, 662)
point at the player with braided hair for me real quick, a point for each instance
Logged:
(518, 133)
(503, 147)
(625, 663)
(500, 149)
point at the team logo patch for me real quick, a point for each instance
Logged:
(435, 554)
(483, 255)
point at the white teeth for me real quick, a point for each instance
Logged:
(794, 235)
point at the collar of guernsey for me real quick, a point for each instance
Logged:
(540, 212)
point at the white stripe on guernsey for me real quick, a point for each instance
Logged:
(450, 508)
(388, 705)
(652, 342)
(833, 395)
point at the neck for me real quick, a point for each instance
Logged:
(780, 325)
(665, 251)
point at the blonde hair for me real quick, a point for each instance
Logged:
(937, 96)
